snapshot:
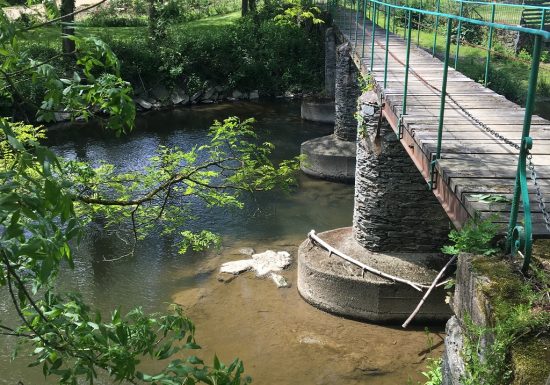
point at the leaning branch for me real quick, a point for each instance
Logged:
(332, 250)
(432, 286)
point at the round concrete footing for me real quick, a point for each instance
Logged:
(329, 158)
(318, 110)
(337, 286)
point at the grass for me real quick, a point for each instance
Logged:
(51, 35)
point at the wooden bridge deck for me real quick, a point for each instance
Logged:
(473, 161)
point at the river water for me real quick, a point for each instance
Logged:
(280, 338)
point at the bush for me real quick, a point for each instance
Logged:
(247, 55)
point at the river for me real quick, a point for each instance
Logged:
(280, 338)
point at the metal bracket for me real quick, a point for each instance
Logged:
(433, 173)
(378, 126)
(520, 238)
(400, 127)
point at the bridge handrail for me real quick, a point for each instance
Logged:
(519, 238)
(532, 31)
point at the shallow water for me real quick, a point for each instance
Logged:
(281, 339)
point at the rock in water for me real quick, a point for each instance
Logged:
(247, 251)
(269, 261)
(279, 280)
(237, 267)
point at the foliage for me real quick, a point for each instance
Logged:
(163, 192)
(433, 372)
(131, 13)
(45, 203)
(246, 55)
(520, 311)
(475, 237)
(298, 13)
(92, 86)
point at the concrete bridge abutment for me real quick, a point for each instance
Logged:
(332, 157)
(398, 228)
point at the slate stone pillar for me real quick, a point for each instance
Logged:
(330, 63)
(394, 211)
(346, 93)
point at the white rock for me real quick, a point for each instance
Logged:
(195, 96)
(208, 93)
(263, 264)
(247, 251)
(62, 116)
(254, 94)
(143, 103)
(279, 280)
(289, 95)
(269, 261)
(179, 97)
(160, 92)
(237, 94)
(237, 267)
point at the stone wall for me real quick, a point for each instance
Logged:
(472, 304)
(346, 94)
(330, 63)
(394, 210)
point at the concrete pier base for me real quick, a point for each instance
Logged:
(329, 158)
(318, 110)
(337, 286)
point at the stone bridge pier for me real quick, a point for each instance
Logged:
(332, 157)
(398, 228)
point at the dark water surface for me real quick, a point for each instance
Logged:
(281, 339)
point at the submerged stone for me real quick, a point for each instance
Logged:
(279, 280)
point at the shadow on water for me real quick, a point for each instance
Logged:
(281, 339)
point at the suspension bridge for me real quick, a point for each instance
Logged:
(475, 149)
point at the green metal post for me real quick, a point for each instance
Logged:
(458, 32)
(419, 21)
(442, 103)
(373, 35)
(407, 57)
(489, 45)
(436, 27)
(520, 188)
(352, 2)
(393, 10)
(404, 14)
(364, 27)
(387, 46)
(356, 23)
(543, 18)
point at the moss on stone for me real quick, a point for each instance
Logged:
(531, 361)
(511, 298)
(541, 249)
(506, 287)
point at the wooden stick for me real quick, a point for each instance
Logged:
(432, 286)
(326, 246)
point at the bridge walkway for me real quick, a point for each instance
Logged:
(476, 171)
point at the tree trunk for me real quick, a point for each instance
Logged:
(67, 26)
(244, 7)
(252, 5)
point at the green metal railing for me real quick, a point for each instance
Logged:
(493, 16)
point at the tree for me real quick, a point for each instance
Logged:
(67, 27)
(46, 203)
